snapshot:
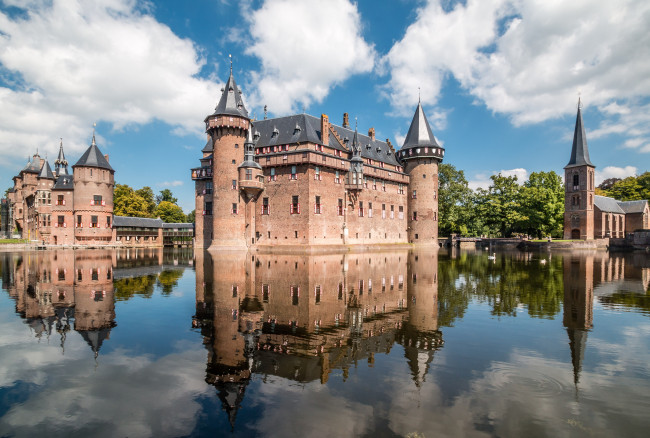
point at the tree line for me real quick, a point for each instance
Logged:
(506, 208)
(143, 203)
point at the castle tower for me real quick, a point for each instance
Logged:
(44, 202)
(421, 155)
(579, 187)
(93, 197)
(228, 127)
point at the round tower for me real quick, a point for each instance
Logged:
(420, 156)
(228, 127)
(93, 180)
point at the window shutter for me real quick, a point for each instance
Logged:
(298, 208)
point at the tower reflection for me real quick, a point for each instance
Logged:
(301, 317)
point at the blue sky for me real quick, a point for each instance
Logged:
(499, 79)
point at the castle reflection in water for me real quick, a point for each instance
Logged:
(301, 317)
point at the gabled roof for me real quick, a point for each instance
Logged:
(633, 206)
(63, 182)
(300, 128)
(231, 101)
(46, 172)
(579, 150)
(142, 222)
(178, 225)
(93, 157)
(420, 133)
(608, 205)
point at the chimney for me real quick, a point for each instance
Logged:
(371, 133)
(325, 129)
(346, 120)
(390, 145)
(106, 156)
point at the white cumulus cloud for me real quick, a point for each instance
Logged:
(69, 63)
(614, 172)
(529, 59)
(305, 48)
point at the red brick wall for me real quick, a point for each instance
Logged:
(423, 174)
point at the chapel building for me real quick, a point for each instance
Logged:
(588, 216)
(302, 180)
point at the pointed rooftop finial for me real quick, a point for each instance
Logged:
(93, 143)
(265, 112)
(230, 57)
(419, 100)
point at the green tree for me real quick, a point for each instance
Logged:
(166, 195)
(127, 202)
(147, 194)
(499, 206)
(191, 217)
(454, 201)
(170, 213)
(542, 204)
(632, 188)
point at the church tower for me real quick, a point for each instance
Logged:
(227, 128)
(579, 187)
(421, 155)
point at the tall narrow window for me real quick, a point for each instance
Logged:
(249, 174)
(383, 211)
(79, 224)
(295, 294)
(295, 205)
(360, 209)
(265, 293)
(415, 194)
(415, 215)
(317, 173)
(234, 184)
(265, 206)
(234, 208)
(339, 207)
(317, 207)
(369, 209)
(576, 181)
(94, 222)
(97, 200)
(273, 176)
(401, 212)
(294, 174)
(208, 188)
(392, 212)
(337, 177)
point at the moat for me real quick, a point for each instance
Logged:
(152, 342)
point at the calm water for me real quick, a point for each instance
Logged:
(152, 343)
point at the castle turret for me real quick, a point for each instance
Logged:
(421, 155)
(93, 180)
(61, 164)
(251, 184)
(579, 187)
(355, 175)
(225, 208)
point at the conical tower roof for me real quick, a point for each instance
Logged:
(46, 172)
(231, 102)
(356, 147)
(420, 133)
(249, 151)
(32, 166)
(93, 157)
(579, 150)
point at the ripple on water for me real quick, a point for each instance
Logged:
(517, 379)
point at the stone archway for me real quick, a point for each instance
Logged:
(575, 234)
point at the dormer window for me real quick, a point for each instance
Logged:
(275, 132)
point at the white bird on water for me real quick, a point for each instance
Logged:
(493, 256)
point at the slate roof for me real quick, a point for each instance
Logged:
(231, 101)
(579, 150)
(633, 206)
(420, 133)
(300, 128)
(32, 166)
(93, 157)
(209, 147)
(608, 205)
(46, 172)
(140, 222)
(179, 225)
(64, 182)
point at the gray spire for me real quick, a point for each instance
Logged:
(579, 150)
(231, 102)
(61, 164)
(420, 133)
(46, 171)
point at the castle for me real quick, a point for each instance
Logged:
(588, 216)
(300, 180)
(57, 208)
